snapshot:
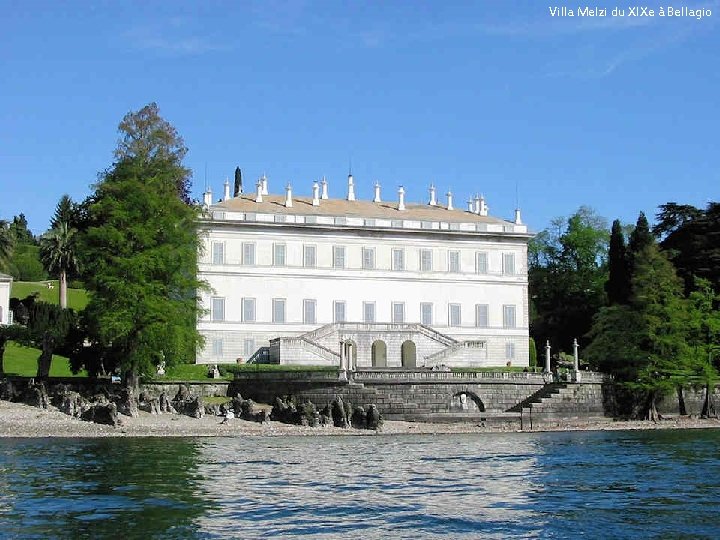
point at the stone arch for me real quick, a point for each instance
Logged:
(466, 401)
(378, 353)
(408, 354)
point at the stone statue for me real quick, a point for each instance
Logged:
(238, 182)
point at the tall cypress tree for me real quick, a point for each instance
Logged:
(640, 238)
(617, 286)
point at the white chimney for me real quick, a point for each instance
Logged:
(376, 197)
(449, 198)
(226, 190)
(518, 219)
(401, 198)
(264, 186)
(288, 196)
(483, 210)
(316, 194)
(207, 197)
(324, 193)
(476, 206)
(470, 205)
(259, 194)
(433, 200)
(351, 188)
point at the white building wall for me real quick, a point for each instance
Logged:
(5, 285)
(354, 285)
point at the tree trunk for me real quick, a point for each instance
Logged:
(652, 413)
(708, 410)
(132, 381)
(63, 289)
(45, 358)
(681, 401)
(3, 342)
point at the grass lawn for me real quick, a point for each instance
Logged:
(77, 298)
(22, 361)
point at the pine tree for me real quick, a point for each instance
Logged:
(141, 249)
(65, 212)
(617, 286)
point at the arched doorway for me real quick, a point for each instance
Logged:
(379, 353)
(467, 402)
(408, 354)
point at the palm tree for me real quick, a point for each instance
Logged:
(58, 252)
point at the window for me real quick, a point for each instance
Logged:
(398, 312)
(278, 310)
(217, 347)
(481, 262)
(218, 252)
(248, 253)
(426, 313)
(338, 311)
(508, 316)
(278, 254)
(454, 315)
(398, 259)
(309, 256)
(481, 315)
(508, 264)
(510, 351)
(369, 312)
(454, 261)
(248, 347)
(338, 256)
(309, 311)
(425, 260)
(217, 309)
(248, 310)
(368, 258)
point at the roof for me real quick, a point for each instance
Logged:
(5, 277)
(275, 204)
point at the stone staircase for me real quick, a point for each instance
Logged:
(562, 400)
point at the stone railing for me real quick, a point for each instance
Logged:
(452, 349)
(429, 375)
(299, 375)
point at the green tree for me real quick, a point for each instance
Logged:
(6, 244)
(640, 238)
(151, 140)
(643, 344)
(66, 212)
(58, 251)
(532, 354)
(703, 340)
(691, 237)
(568, 269)
(617, 286)
(140, 248)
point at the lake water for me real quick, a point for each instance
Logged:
(648, 484)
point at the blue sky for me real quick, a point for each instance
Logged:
(617, 113)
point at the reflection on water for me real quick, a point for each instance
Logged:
(562, 485)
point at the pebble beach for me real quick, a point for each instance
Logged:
(19, 420)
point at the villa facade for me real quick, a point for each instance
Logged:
(317, 280)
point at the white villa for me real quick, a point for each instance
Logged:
(315, 280)
(5, 286)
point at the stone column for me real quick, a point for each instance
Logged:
(342, 355)
(576, 361)
(547, 356)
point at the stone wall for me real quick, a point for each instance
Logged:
(419, 398)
